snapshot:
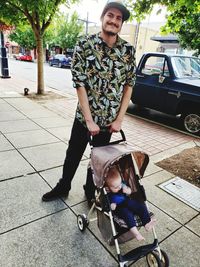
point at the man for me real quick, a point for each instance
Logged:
(103, 75)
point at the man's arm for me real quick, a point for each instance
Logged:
(79, 80)
(115, 126)
(84, 105)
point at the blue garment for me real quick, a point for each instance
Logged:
(127, 208)
(118, 197)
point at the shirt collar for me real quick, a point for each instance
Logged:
(101, 41)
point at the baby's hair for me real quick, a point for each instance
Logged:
(113, 172)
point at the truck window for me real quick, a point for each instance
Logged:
(186, 66)
(155, 66)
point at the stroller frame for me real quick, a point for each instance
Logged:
(154, 255)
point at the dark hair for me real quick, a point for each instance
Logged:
(119, 5)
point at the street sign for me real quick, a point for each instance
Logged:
(4, 27)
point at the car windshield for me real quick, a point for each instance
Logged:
(60, 56)
(186, 66)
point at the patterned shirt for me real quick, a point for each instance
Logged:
(104, 72)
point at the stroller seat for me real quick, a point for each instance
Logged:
(121, 223)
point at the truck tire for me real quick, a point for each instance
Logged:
(191, 121)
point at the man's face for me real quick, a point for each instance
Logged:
(112, 21)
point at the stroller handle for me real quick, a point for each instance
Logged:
(123, 139)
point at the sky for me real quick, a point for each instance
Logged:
(90, 8)
(94, 8)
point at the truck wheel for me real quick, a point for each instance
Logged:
(191, 121)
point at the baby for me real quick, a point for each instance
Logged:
(124, 207)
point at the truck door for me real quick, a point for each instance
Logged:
(148, 91)
(170, 93)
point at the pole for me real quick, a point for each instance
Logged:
(3, 59)
(137, 28)
(87, 22)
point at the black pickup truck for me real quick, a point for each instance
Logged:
(170, 84)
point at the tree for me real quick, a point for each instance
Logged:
(24, 36)
(39, 14)
(63, 31)
(68, 31)
(183, 19)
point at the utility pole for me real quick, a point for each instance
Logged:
(3, 56)
(137, 28)
(87, 22)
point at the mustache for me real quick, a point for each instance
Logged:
(112, 24)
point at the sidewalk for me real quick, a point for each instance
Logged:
(33, 141)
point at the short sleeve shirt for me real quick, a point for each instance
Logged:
(103, 71)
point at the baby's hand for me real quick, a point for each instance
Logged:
(126, 190)
(113, 206)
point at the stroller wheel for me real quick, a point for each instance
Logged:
(164, 258)
(82, 222)
(153, 260)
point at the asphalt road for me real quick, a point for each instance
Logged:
(60, 79)
(56, 78)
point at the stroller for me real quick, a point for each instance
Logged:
(132, 165)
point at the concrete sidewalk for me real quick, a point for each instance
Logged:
(33, 142)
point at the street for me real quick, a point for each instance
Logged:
(56, 78)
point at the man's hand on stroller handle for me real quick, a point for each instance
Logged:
(115, 126)
(93, 128)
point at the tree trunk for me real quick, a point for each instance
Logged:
(40, 67)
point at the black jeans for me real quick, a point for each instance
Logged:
(77, 145)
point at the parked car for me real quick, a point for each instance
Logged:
(60, 60)
(170, 84)
(24, 57)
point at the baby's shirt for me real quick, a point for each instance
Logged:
(118, 197)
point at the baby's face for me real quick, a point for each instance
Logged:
(115, 185)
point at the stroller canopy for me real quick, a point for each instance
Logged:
(105, 156)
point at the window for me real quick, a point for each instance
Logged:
(186, 66)
(156, 66)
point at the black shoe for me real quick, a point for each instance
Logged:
(55, 193)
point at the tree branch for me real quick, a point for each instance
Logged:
(46, 24)
(15, 6)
